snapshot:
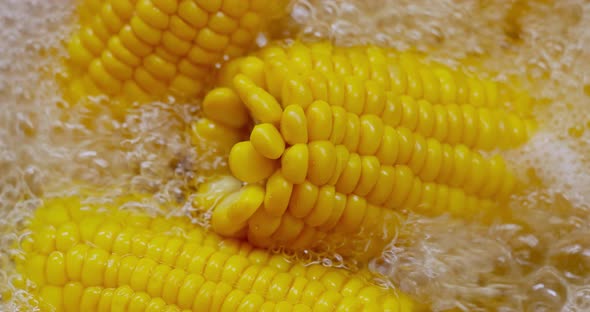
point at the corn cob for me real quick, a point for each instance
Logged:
(141, 50)
(345, 138)
(82, 258)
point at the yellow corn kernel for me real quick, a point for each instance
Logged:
(159, 68)
(242, 37)
(253, 68)
(214, 134)
(102, 78)
(323, 207)
(351, 174)
(192, 71)
(295, 163)
(389, 148)
(336, 214)
(288, 231)
(360, 63)
(262, 105)
(319, 121)
(164, 53)
(430, 84)
(318, 85)
(322, 162)
(212, 40)
(338, 124)
(148, 82)
(375, 98)
(371, 133)
(151, 14)
(303, 199)
(294, 125)
(278, 193)
(98, 25)
(144, 31)
(249, 165)
(124, 9)
(370, 168)
(91, 42)
(118, 49)
(354, 100)
(262, 225)
(342, 156)
(224, 106)
(116, 67)
(79, 54)
(111, 20)
(267, 141)
(295, 91)
(174, 45)
(353, 132)
(237, 208)
(222, 23)
(184, 86)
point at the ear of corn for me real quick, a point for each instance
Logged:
(344, 139)
(140, 50)
(99, 258)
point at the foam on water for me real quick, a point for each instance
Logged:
(540, 261)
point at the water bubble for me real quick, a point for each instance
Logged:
(546, 291)
(579, 301)
(572, 256)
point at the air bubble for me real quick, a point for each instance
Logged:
(580, 300)
(546, 291)
(572, 257)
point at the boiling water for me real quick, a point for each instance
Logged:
(540, 262)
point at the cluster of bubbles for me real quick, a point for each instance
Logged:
(537, 262)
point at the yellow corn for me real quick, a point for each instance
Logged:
(346, 138)
(99, 258)
(366, 71)
(400, 88)
(138, 50)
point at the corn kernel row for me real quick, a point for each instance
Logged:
(390, 187)
(299, 216)
(369, 135)
(322, 162)
(126, 261)
(146, 49)
(476, 127)
(304, 215)
(74, 297)
(401, 73)
(67, 228)
(95, 267)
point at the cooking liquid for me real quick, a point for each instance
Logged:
(540, 261)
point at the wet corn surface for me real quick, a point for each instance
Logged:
(342, 140)
(534, 259)
(137, 51)
(84, 257)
